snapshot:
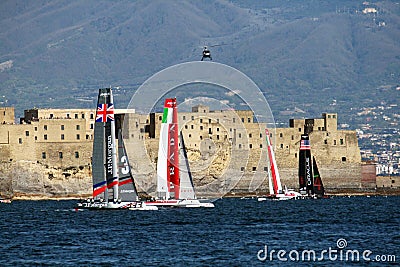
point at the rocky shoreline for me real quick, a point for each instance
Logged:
(343, 193)
(346, 193)
(25, 180)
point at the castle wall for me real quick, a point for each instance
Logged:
(388, 182)
(54, 142)
(220, 142)
(334, 177)
(369, 178)
(62, 116)
(226, 149)
(44, 155)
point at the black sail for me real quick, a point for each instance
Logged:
(305, 166)
(186, 181)
(127, 187)
(318, 186)
(101, 131)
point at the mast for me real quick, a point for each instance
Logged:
(114, 149)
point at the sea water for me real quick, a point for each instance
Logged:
(237, 232)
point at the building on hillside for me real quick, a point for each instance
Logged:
(369, 10)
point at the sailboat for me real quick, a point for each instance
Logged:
(276, 192)
(5, 200)
(310, 185)
(113, 183)
(174, 181)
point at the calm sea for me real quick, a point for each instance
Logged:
(237, 232)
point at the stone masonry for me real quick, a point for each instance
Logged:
(226, 151)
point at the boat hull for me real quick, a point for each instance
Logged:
(285, 196)
(314, 197)
(277, 198)
(181, 203)
(97, 205)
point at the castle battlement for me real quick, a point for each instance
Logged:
(216, 141)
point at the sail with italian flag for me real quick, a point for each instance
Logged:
(168, 153)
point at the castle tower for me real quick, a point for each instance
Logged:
(7, 115)
(330, 121)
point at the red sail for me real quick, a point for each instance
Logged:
(272, 164)
(173, 150)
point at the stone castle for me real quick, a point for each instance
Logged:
(49, 152)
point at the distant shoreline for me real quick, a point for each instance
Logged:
(393, 192)
(379, 192)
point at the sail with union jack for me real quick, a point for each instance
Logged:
(105, 112)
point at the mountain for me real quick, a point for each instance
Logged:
(302, 54)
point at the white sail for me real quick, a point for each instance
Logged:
(162, 179)
(270, 185)
(163, 183)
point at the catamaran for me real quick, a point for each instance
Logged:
(5, 200)
(310, 185)
(113, 183)
(276, 192)
(174, 180)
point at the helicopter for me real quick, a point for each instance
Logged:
(206, 53)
